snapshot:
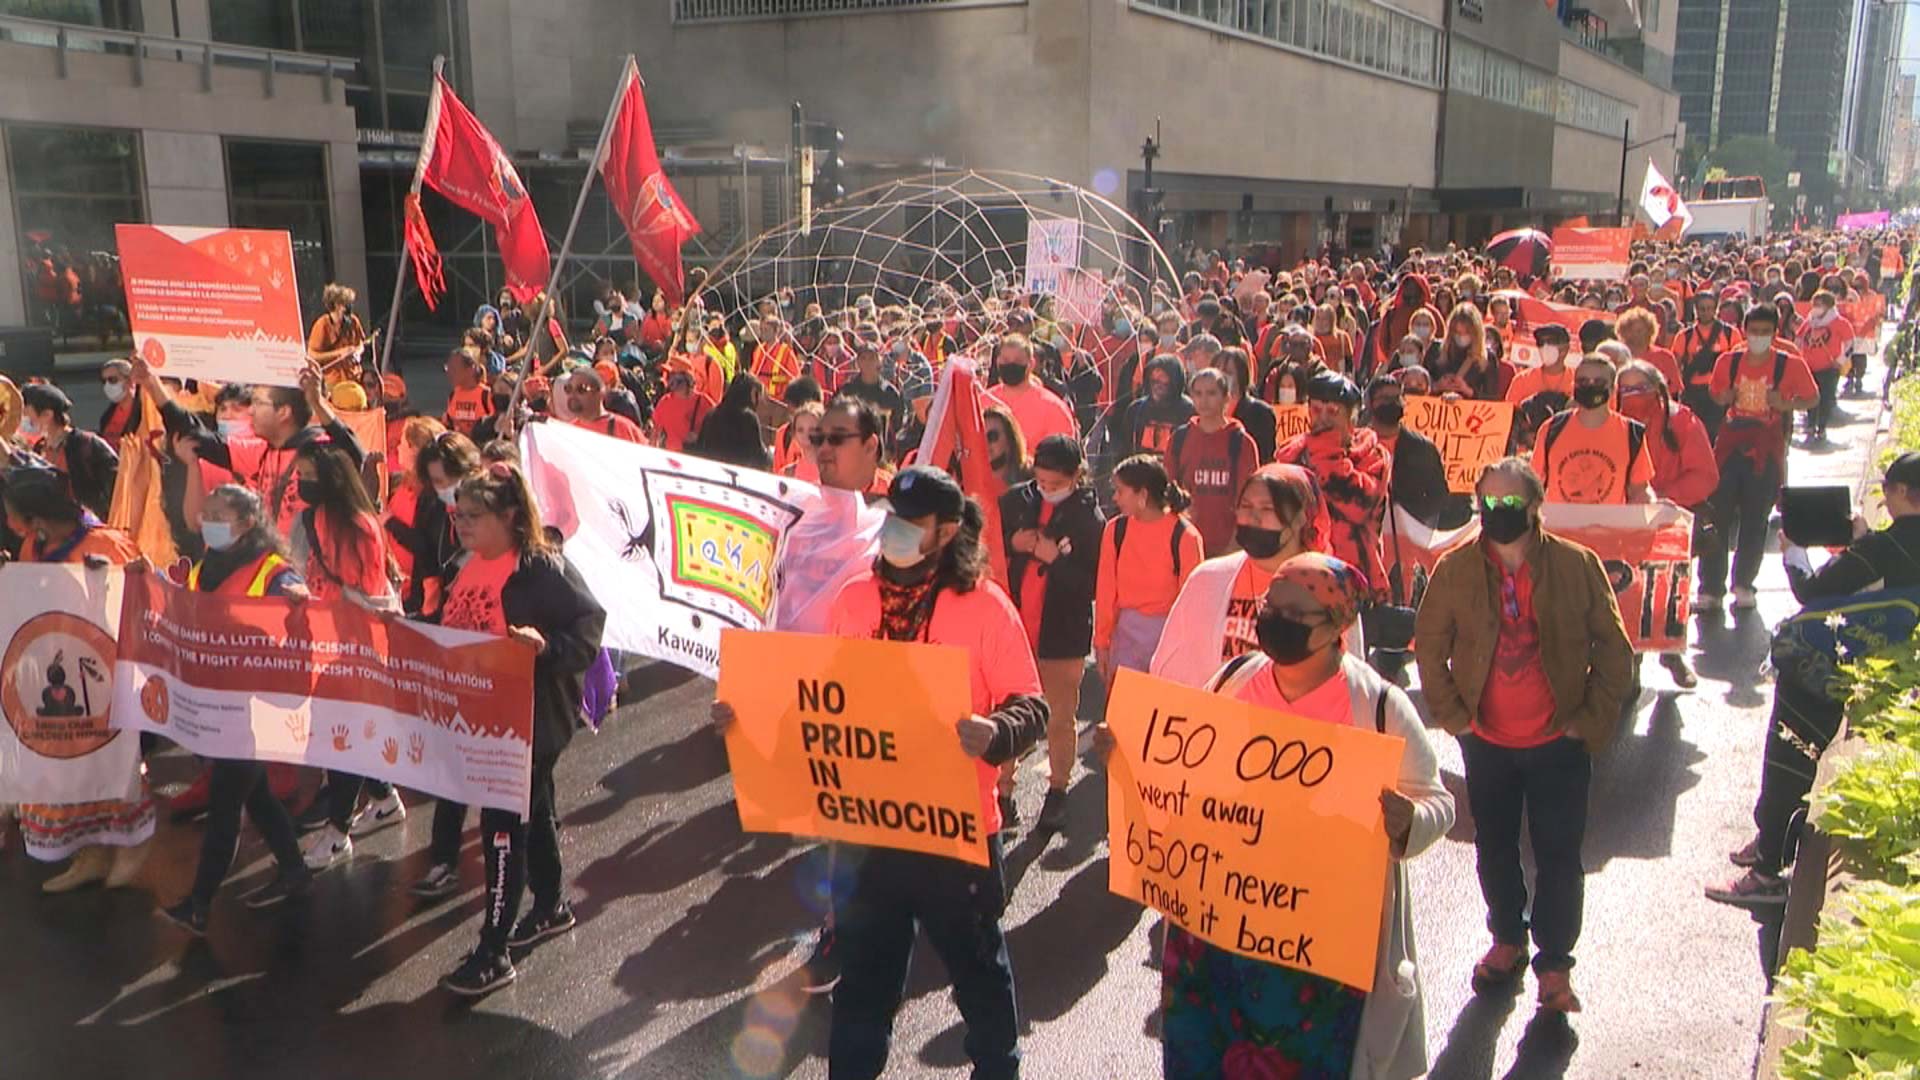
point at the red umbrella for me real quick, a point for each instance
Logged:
(1524, 251)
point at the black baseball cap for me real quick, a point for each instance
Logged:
(925, 490)
(1551, 334)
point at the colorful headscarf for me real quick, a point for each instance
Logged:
(1337, 586)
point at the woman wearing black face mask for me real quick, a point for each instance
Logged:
(1278, 515)
(1217, 999)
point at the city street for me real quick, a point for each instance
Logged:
(691, 930)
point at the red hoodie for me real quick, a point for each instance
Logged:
(1353, 482)
(1211, 467)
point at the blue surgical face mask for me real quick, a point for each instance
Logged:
(232, 428)
(217, 534)
(1123, 328)
(900, 542)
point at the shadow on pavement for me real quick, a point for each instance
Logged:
(696, 759)
(1731, 649)
(1636, 783)
(1473, 1042)
(1546, 1048)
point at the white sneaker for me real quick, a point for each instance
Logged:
(327, 847)
(1745, 599)
(1708, 603)
(379, 815)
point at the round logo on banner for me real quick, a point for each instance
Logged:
(154, 353)
(56, 685)
(154, 700)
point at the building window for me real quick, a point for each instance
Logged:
(283, 185)
(1361, 33)
(105, 14)
(1481, 72)
(70, 187)
(1590, 110)
(393, 43)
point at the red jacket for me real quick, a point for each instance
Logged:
(1687, 475)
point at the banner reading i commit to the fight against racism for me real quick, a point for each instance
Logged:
(851, 739)
(216, 304)
(1255, 830)
(331, 685)
(56, 687)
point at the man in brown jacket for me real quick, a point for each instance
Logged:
(1532, 691)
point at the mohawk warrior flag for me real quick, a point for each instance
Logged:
(1661, 202)
(657, 221)
(460, 159)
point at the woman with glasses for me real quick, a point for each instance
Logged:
(1007, 447)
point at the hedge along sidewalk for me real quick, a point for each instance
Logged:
(1801, 1033)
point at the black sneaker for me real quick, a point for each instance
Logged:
(821, 973)
(534, 928)
(1009, 812)
(479, 974)
(1053, 812)
(284, 886)
(187, 916)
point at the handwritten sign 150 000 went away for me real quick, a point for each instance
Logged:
(1257, 831)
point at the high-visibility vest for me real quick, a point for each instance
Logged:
(263, 573)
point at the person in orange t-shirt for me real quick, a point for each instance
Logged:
(471, 400)
(1824, 340)
(1592, 454)
(1553, 374)
(1146, 554)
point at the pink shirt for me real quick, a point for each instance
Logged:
(1038, 411)
(1329, 703)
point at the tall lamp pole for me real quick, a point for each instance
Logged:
(1620, 197)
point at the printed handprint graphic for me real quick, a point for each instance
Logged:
(390, 751)
(370, 730)
(342, 738)
(416, 750)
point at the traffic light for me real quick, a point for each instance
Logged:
(829, 167)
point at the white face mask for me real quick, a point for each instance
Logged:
(900, 542)
(1408, 359)
(1549, 354)
(1759, 342)
(1286, 395)
(1463, 340)
(28, 427)
(218, 535)
(448, 494)
(1055, 498)
(116, 391)
(1424, 333)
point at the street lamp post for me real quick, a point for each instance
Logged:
(1620, 197)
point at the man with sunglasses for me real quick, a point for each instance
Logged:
(1532, 690)
(1590, 453)
(585, 395)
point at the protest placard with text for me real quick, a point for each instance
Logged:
(851, 739)
(328, 684)
(1592, 253)
(56, 687)
(1288, 421)
(218, 304)
(1470, 435)
(1255, 830)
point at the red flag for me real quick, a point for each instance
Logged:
(428, 270)
(956, 440)
(657, 222)
(460, 160)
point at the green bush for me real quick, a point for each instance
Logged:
(1881, 695)
(1859, 991)
(1873, 800)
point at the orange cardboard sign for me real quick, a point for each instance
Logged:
(851, 739)
(1592, 253)
(1255, 830)
(1288, 421)
(217, 304)
(1470, 435)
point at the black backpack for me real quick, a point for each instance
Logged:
(1173, 541)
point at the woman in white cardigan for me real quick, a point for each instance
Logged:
(1279, 515)
(1229, 1015)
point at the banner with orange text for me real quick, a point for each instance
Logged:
(1258, 831)
(216, 304)
(330, 685)
(1645, 548)
(1592, 253)
(851, 739)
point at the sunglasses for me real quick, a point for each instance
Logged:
(993, 435)
(1503, 502)
(835, 438)
(1604, 384)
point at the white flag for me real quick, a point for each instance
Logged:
(677, 547)
(1661, 202)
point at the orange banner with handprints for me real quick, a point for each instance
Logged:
(855, 740)
(213, 303)
(1258, 831)
(1470, 435)
(1592, 253)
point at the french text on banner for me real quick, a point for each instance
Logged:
(1470, 435)
(852, 740)
(1258, 831)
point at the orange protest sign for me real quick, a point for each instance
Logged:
(1591, 253)
(1470, 435)
(1288, 421)
(853, 740)
(1257, 831)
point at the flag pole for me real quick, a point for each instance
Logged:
(419, 175)
(566, 242)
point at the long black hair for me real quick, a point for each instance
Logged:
(343, 497)
(1148, 474)
(964, 562)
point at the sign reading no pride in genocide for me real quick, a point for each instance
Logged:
(852, 740)
(1260, 832)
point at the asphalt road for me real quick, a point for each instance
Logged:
(691, 930)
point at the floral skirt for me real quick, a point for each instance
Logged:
(53, 831)
(1235, 1018)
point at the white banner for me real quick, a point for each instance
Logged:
(56, 687)
(1053, 248)
(677, 547)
